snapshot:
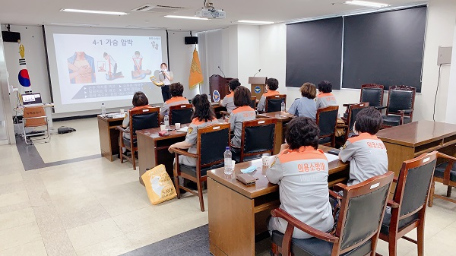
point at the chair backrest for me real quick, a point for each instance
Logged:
(372, 93)
(144, 118)
(34, 116)
(258, 137)
(274, 102)
(211, 143)
(362, 209)
(412, 190)
(180, 114)
(253, 102)
(327, 120)
(400, 97)
(353, 110)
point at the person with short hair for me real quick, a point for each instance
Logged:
(271, 89)
(228, 101)
(366, 152)
(305, 106)
(176, 90)
(139, 101)
(243, 112)
(203, 116)
(301, 170)
(325, 97)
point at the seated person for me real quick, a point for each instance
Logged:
(176, 90)
(242, 113)
(366, 153)
(301, 170)
(228, 101)
(271, 89)
(203, 116)
(325, 98)
(305, 106)
(139, 101)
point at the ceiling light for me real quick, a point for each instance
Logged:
(255, 22)
(185, 17)
(94, 12)
(367, 4)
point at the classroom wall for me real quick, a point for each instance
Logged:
(439, 32)
(35, 54)
(248, 61)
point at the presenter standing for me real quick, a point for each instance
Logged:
(165, 77)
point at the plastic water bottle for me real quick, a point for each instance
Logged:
(103, 109)
(282, 106)
(228, 157)
(166, 119)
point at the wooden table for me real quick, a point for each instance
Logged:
(109, 136)
(237, 213)
(411, 140)
(153, 149)
(282, 119)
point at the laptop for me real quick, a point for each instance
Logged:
(31, 99)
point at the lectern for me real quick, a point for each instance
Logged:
(220, 84)
(258, 85)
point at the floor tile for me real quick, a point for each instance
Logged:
(13, 198)
(94, 233)
(111, 247)
(33, 248)
(17, 236)
(17, 218)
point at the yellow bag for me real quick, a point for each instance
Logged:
(158, 184)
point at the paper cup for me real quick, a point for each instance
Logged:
(178, 126)
(265, 160)
(122, 111)
(162, 127)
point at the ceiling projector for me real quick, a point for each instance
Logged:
(208, 11)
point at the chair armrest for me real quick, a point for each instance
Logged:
(120, 128)
(395, 179)
(406, 111)
(380, 107)
(445, 156)
(348, 104)
(334, 194)
(304, 227)
(392, 204)
(184, 153)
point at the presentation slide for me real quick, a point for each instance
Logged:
(91, 68)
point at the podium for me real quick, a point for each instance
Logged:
(258, 85)
(220, 84)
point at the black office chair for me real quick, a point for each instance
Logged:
(408, 207)
(273, 103)
(445, 173)
(258, 137)
(180, 114)
(327, 121)
(360, 218)
(370, 93)
(211, 144)
(140, 119)
(401, 100)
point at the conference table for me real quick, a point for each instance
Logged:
(238, 213)
(407, 141)
(282, 119)
(153, 149)
(109, 136)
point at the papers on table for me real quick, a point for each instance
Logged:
(183, 129)
(331, 157)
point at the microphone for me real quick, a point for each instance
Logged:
(221, 71)
(259, 70)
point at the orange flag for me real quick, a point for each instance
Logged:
(196, 76)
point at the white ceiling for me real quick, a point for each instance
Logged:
(47, 12)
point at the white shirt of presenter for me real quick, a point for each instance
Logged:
(165, 76)
(302, 176)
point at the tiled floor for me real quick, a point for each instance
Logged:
(97, 207)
